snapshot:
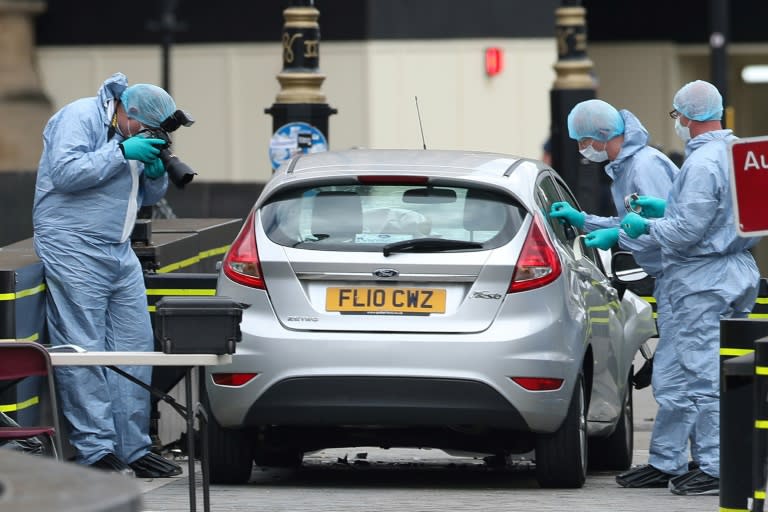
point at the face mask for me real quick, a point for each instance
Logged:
(683, 132)
(593, 155)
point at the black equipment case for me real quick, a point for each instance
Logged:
(198, 325)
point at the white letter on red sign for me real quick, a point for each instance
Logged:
(751, 161)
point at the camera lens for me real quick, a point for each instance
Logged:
(178, 172)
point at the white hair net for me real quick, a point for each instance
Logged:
(594, 119)
(700, 101)
(148, 104)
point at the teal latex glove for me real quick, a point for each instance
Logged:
(141, 149)
(154, 169)
(634, 225)
(602, 238)
(564, 211)
(652, 207)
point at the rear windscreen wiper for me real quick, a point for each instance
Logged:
(429, 245)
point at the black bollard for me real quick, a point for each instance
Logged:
(760, 435)
(737, 338)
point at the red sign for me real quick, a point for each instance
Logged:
(749, 185)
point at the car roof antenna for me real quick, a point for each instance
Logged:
(423, 142)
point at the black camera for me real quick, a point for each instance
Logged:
(178, 172)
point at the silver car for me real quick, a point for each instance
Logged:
(420, 298)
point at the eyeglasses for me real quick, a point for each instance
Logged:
(587, 141)
(674, 114)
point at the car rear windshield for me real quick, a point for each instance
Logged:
(368, 217)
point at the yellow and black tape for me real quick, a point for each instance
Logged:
(188, 262)
(23, 293)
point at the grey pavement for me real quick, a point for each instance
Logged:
(373, 479)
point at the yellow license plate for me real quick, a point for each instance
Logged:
(407, 301)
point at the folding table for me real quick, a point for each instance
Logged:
(114, 359)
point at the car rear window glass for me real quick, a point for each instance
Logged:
(367, 217)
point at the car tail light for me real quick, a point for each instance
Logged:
(538, 383)
(233, 379)
(241, 264)
(392, 180)
(538, 263)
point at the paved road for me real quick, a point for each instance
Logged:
(371, 479)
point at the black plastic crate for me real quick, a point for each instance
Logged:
(198, 325)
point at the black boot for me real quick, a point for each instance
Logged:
(154, 466)
(110, 462)
(644, 476)
(695, 483)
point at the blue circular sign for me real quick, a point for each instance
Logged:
(293, 138)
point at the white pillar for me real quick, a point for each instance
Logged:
(24, 107)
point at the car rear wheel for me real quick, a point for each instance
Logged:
(266, 457)
(230, 453)
(615, 451)
(561, 457)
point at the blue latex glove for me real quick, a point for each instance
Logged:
(634, 225)
(652, 207)
(565, 212)
(154, 169)
(602, 238)
(141, 149)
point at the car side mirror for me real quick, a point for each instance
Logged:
(625, 269)
(627, 274)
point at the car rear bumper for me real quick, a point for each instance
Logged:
(383, 401)
(405, 379)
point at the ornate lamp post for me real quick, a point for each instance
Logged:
(574, 83)
(300, 112)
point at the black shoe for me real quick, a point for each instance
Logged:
(154, 466)
(643, 476)
(695, 483)
(110, 462)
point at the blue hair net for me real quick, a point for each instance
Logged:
(700, 101)
(148, 104)
(594, 119)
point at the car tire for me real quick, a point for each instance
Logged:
(615, 451)
(561, 457)
(230, 453)
(266, 458)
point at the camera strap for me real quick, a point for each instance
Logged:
(112, 126)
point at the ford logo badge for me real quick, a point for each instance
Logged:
(386, 272)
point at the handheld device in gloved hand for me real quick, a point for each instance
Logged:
(648, 206)
(634, 225)
(629, 203)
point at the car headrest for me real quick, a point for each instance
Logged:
(483, 211)
(337, 213)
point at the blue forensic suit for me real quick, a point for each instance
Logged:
(709, 275)
(87, 197)
(647, 171)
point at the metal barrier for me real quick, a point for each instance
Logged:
(760, 414)
(742, 443)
